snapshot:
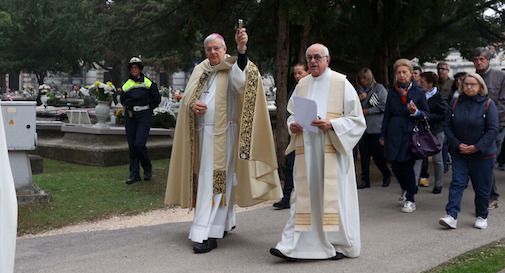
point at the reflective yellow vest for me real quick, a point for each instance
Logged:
(131, 84)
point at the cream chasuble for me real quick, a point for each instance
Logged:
(324, 215)
(215, 159)
(8, 207)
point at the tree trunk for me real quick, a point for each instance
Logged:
(304, 40)
(281, 80)
(40, 77)
(3, 83)
(115, 74)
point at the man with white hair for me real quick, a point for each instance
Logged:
(223, 150)
(495, 83)
(8, 207)
(324, 216)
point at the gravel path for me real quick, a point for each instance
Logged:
(151, 218)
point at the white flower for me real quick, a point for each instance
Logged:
(162, 110)
(44, 87)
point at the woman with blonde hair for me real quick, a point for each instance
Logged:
(373, 98)
(406, 103)
(471, 129)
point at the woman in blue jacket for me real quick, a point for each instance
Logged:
(405, 104)
(471, 129)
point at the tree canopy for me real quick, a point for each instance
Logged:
(64, 35)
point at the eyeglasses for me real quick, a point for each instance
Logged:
(315, 57)
(470, 84)
(215, 48)
(442, 68)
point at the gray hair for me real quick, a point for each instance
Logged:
(482, 51)
(483, 88)
(213, 37)
(403, 62)
(326, 51)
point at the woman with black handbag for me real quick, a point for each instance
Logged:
(405, 104)
(471, 128)
(438, 109)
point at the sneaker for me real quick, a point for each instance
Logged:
(480, 223)
(424, 182)
(493, 204)
(448, 222)
(408, 207)
(402, 199)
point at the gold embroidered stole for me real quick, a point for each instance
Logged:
(330, 216)
(220, 125)
(257, 173)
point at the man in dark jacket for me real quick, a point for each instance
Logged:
(495, 83)
(139, 97)
(299, 71)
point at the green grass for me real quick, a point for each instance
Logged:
(488, 259)
(84, 193)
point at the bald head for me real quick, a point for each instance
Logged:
(318, 59)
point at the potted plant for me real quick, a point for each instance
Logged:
(44, 89)
(103, 93)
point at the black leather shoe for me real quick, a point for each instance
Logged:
(283, 205)
(276, 204)
(386, 181)
(437, 190)
(132, 180)
(363, 185)
(205, 246)
(278, 253)
(148, 175)
(338, 256)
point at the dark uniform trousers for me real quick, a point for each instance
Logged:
(137, 132)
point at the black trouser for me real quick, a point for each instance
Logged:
(288, 177)
(424, 169)
(137, 131)
(369, 145)
(404, 172)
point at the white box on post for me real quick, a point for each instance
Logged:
(19, 120)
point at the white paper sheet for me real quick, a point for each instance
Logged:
(305, 111)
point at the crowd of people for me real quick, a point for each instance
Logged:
(221, 156)
(465, 114)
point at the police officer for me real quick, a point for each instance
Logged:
(139, 97)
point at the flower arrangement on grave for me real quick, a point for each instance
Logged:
(103, 91)
(163, 118)
(166, 91)
(44, 89)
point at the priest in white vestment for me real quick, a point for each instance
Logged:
(8, 207)
(223, 151)
(324, 217)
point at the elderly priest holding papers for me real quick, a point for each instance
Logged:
(324, 217)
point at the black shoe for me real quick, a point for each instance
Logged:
(148, 175)
(205, 246)
(278, 253)
(363, 185)
(437, 190)
(386, 181)
(338, 256)
(283, 205)
(132, 180)
(276, 204)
